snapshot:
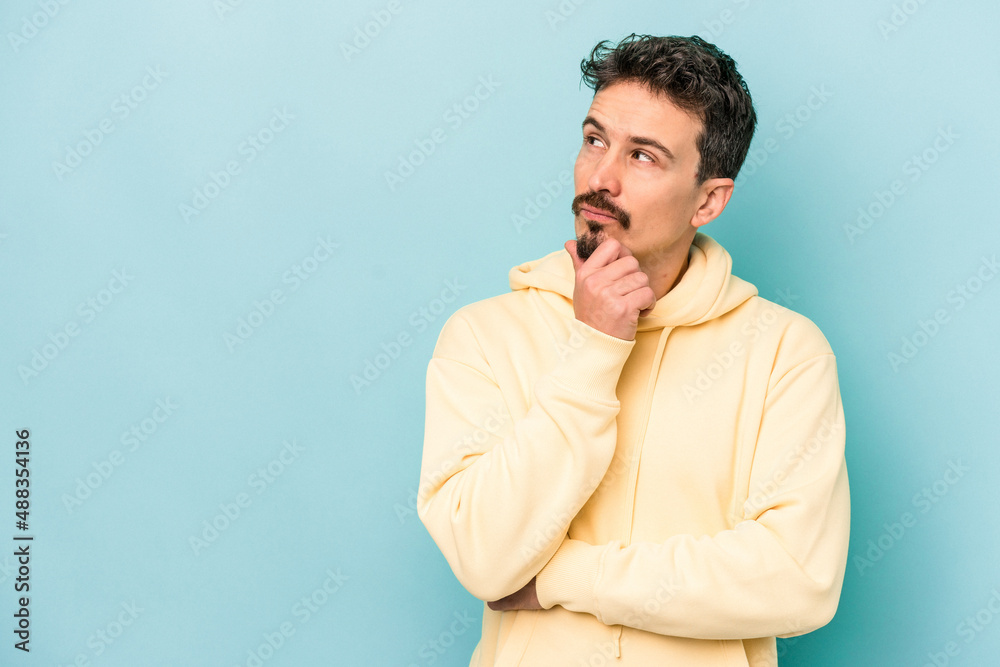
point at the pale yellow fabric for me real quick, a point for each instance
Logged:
(682, 498)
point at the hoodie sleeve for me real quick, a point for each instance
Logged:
(778, 572)
(497, 494)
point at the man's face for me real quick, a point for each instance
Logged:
(638, 162)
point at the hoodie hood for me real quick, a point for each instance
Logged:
(707, 289)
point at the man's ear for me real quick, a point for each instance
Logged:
(715, 194)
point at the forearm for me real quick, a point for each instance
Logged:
(740, 583)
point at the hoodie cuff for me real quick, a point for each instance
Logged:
(570, 577)
(592, 361)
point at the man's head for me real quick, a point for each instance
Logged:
(664, 138)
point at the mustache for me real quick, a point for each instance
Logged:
(601, 202)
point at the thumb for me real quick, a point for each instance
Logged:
(571, 249)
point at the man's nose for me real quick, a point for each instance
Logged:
(606, 176)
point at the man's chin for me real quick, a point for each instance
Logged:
(587, 243)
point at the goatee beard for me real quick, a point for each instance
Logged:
(587, 242)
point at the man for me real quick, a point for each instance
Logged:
(632, 457)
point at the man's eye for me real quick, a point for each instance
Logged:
(641, 154)
(591, 140)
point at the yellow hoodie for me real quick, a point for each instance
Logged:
(682, 498)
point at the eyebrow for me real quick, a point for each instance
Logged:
(641, 141)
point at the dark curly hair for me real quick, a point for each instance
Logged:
(698, 78)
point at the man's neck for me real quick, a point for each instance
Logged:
(667, 273)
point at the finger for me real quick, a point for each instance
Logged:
(642, 299)
(619, 269)
(571, 249)
(631, 282)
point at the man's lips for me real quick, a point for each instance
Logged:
(597, 215)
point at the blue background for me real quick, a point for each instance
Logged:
(894, 79)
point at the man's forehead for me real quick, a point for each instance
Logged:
(630, 109)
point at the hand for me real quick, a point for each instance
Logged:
(611, 292)
(526, 598)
